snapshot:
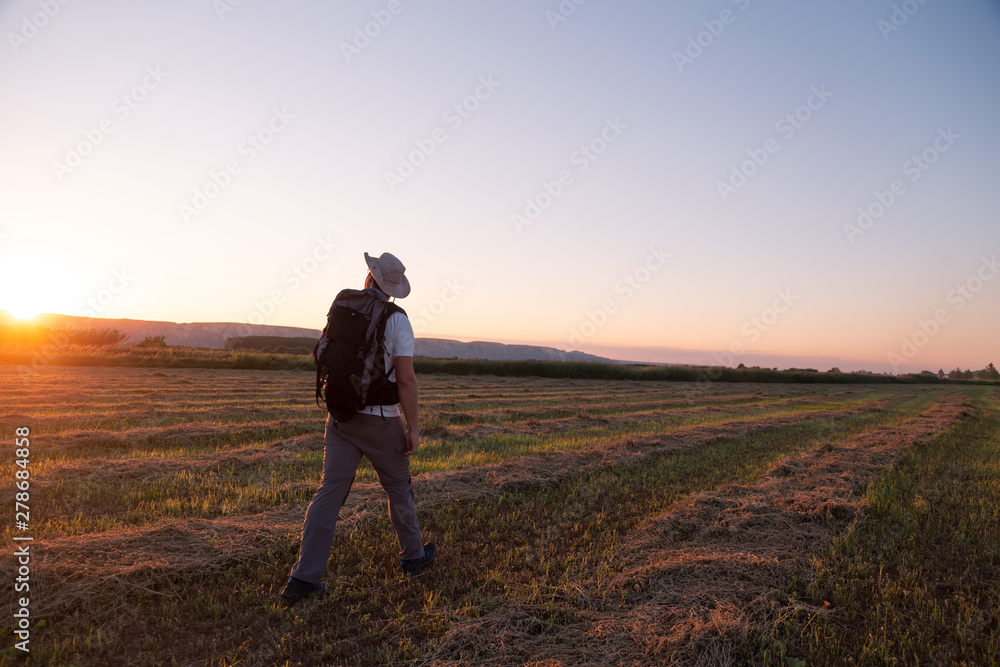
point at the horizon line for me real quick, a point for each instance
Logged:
(614, 352)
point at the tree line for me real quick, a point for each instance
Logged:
(988, 373)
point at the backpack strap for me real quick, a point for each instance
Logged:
(319, 377)
(319, 370)
(384, 390)
(391, 309)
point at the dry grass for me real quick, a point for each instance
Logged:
(168, 551)
(693, 583)
(582, 521)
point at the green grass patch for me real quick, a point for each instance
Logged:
(437, 455)
(916, 578)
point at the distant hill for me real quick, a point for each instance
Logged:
(190, 334)
(448, 349)
(214, 335)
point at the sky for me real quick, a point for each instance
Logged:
(809, 184)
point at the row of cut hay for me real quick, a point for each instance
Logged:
(237, 479)
(694, 583)
(204, 406)
(625, 392)
(640, 420)
(115, 471)
(149, 445)
(147, 392)
(83, 403)
(82, 571)
(60, 435)
(88, 470)
(121, 383)
(573, 407)
(117, 428)
(71, 436)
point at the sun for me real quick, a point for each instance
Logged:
(23, 313)
(29, 287)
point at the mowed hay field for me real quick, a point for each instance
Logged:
(579, 522)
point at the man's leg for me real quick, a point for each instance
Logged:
(384, 448)
(340, 464)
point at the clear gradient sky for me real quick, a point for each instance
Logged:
(641, 180)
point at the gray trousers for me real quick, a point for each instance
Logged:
(383, 441)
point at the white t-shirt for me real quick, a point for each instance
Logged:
(398, 343)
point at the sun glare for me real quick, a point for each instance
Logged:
(18, 306)
(31, 287)
(23, 314)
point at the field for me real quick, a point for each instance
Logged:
(580, 522)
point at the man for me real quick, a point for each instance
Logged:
(376, 432)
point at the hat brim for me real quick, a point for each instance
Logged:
(399, 291)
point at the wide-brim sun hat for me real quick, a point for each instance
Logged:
(388, 273)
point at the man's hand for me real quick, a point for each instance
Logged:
(412, 441)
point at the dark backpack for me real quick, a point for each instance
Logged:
(350, 355)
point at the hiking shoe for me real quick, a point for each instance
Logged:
(415, 566)
(296, 589)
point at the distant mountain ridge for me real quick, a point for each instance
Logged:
(214, 335)
(447, 349)
(190, 334)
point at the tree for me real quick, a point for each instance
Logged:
(991, 372)
(153, 341)
(97, 337)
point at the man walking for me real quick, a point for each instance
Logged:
(377, 432)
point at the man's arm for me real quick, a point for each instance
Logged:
(406, 382)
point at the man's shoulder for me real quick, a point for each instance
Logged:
(398, 325)
(397, 319)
